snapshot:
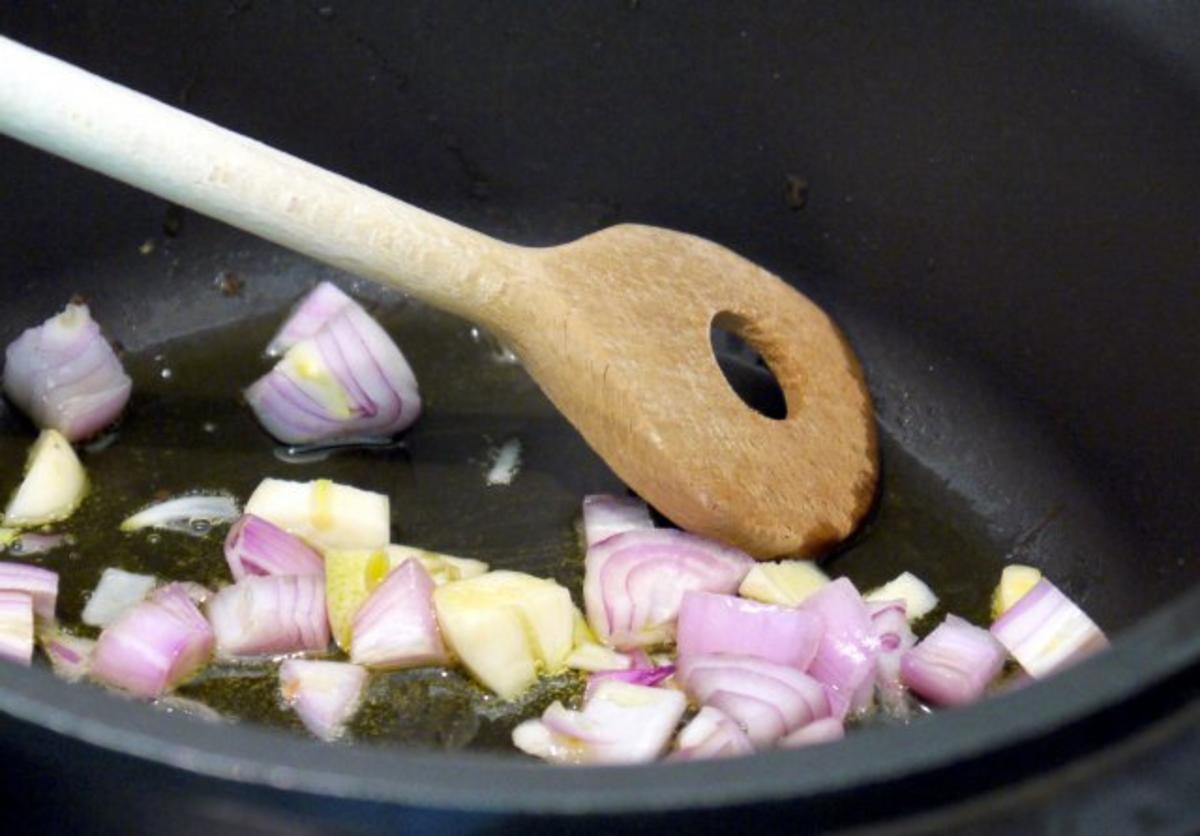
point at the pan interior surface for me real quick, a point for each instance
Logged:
(997, 205)
(188, 430)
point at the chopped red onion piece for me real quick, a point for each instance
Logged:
(635, 581)
(65, 376)
(70, 656)
(620, 723)
(763, 722)
(825, 730)
(16, 626)
(325, 695)
(605, 515)
(711, 734)
(41, 584)
(270, 615)
(154, 646)
(711, 623)
(649, 677)
(116, 592)
(767, 699)
(193, 514)
(396, 626)
(890, 622)
(953, 664)
(845, 659)
(319, 305)
(347, 380)
(256, 546)
(1046, 631)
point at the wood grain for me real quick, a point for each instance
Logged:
(613, 327)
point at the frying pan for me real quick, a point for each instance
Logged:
(999, 206)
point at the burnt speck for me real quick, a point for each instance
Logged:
(78, 299)
(173, 221)
(229, 283)
(118, 347)
(796, 192)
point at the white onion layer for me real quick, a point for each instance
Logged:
(116, 592)
(325, 695)
(620, 724)
(605, 515)
(193, 514)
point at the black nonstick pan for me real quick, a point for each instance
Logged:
(998, 204)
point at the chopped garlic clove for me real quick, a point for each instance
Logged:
(506, 627)
(919, 600)
(323, 513)
(1015, 581)
(54, 483)
(786, 583)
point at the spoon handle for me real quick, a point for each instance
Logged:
(66, 111)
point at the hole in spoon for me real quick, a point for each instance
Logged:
(745, 370)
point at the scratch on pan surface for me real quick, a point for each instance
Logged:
(506, 463)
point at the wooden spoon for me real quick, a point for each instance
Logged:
(614, 327)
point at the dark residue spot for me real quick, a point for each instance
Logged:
(173, 221)
(229, 283)
(796, 192)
